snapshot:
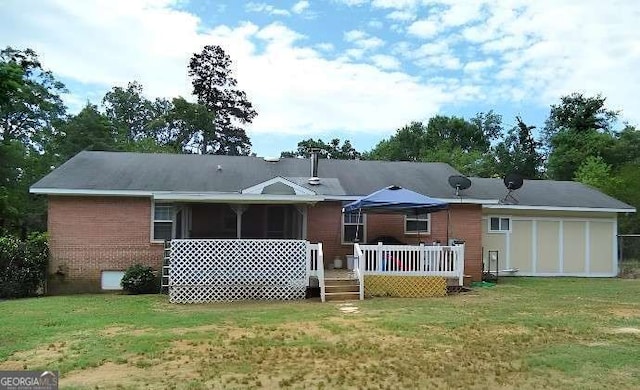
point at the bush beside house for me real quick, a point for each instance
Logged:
(23, 265)
(140, 279)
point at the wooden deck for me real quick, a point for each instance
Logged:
(344, 274)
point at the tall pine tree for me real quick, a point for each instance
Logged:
(216, 89)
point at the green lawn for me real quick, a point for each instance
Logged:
(523, 333)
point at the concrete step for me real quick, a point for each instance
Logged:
(342, 296)
(342, 288)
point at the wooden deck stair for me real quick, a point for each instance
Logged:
(341, 288)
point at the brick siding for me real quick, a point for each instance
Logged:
(88, 235)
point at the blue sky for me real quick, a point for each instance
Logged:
(351, 69)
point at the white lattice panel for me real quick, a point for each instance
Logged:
(229, 270)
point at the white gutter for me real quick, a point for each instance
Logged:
(236, 198)
(558, 208)
(447, 200)
(85, 192)
(214, 197)
(468, 200)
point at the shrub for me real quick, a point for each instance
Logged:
(23, 265)
(140, 279)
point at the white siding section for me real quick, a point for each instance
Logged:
(572, 245)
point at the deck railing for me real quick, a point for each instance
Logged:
(315, 265)
(412, 260)
(358, 267)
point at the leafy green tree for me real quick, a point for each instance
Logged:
(189, 127)
(333, 149)
(570, 149)
(518, 153)
(595, 172)
(216, 88)
(139, 122)
(88, 130)
(405, 145)
(626, 149)
(29, 103)
(579, 114)
(469, 163)
(462, 143)
(577, 128)
(627, 189)
(29, 96)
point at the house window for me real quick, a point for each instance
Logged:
(352, 223)
(162, 222)
(417, 224)
(499, 224)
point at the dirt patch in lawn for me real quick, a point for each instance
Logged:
(627, 330)
(113, 331)
(626, 312)
(109, 375)
(40, 357)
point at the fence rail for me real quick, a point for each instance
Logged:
(412, 260)
(629, 255)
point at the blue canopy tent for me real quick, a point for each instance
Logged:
(395, 199)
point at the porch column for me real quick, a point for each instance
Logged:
(238, 209)
(302, 209)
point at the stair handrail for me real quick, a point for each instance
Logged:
(320, 272)
(358, 267)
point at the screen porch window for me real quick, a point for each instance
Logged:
(352, 223)
(162, 222)
(499, 224)
(416, 224)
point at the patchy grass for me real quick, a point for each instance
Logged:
(630, 269)
(523, 333)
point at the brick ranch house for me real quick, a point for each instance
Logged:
(109, 210)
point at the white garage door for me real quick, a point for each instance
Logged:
(547, 246)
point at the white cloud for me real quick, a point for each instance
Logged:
(402, 16)
(374, 23)
(294, 89)
(266, 8)
(300, 6)
(353, 3)
(526, 51)
(354, 35)
(325, 46)
(550, 49)
(438, 62)
(477, 66)
(363, 40)
(461, 12)
(396, 4)
(354, 53)
(430, 49)
(426, 28)
(385, 61)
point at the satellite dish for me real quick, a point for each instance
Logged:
(513, 181)
(459, 182)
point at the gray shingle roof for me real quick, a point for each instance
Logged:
(545, 193)
(197, 173)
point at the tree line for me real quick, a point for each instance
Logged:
(580, 139)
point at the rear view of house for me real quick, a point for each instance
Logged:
(109, 210)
